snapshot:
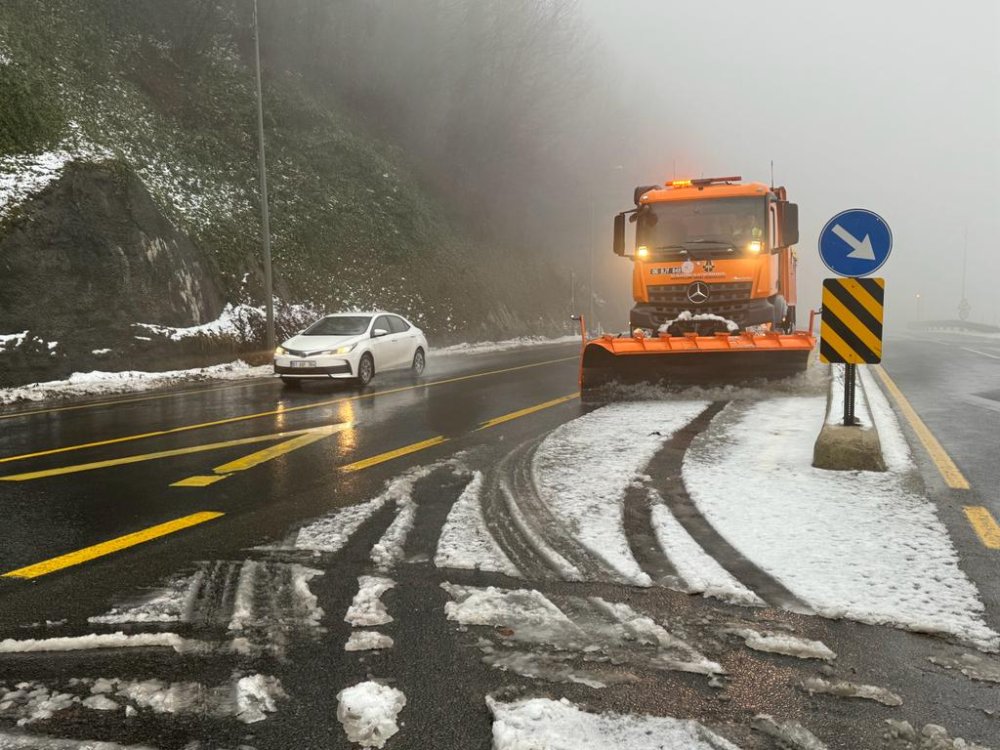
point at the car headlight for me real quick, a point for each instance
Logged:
(340, 350)
(278, 351)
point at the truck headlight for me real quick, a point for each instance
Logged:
(642, 252)
(755, 246)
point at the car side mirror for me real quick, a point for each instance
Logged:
(379, 332)
(789, 223)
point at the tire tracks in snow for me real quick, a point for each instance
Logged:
(528, 532)
(665, 468)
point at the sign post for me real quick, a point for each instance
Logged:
(853, 244)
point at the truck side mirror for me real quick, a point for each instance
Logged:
(789, 223)
(619, 241)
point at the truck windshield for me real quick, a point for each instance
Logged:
(702, 228)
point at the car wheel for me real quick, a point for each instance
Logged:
(366, 369)
(419, 363)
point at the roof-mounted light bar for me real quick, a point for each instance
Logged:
(702, 182)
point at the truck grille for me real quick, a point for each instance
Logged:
(728, 299)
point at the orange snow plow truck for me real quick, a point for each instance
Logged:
(714, 287)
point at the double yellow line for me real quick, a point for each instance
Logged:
(299, 439)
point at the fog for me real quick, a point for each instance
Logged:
(890, 106)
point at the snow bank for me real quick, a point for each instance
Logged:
(367, 608)
(368, 712)
(860, 545)
(466, 542)
(582, 469)
(482, 347)
(561, 725)
(130, 381)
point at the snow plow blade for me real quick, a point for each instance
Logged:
(693, 359)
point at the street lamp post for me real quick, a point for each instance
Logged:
(265, 224)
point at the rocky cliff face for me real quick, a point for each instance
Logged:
(87, 257)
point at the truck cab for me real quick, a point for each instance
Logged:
(711, 255)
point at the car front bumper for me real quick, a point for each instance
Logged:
(314, 367)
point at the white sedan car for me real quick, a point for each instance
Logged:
(352, 346)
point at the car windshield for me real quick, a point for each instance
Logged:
(339, 325)
(701, 227)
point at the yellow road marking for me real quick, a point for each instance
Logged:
(949, 471)
(60, 471)
(262, 456)
(274, 412)
(389, 455)
(132, 400)
(424, 444)
(199, 481)
(530, 410)
(111, 546)
(986, 527)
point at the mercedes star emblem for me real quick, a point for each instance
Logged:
(697, 292)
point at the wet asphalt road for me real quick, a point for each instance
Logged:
(51, 516)
(439, 667)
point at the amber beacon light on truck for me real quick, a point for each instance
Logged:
(714, 286)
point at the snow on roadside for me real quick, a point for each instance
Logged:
(861, 545)
(582, 470)
(368, 712)
(23, 175)
(330, 533)
(481, 347)
(367, 608)
(782, 643)
(368, 640)
(789, 733)
(12, 340)
(599, 626)
(466, 542)
(103, 640)
(10, 741)
(130, 381)
(528, 611)
(544, 723)
(843, 689)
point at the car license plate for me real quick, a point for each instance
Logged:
(303, 363)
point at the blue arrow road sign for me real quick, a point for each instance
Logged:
(855, 242)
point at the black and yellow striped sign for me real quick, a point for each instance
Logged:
(851, 331)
